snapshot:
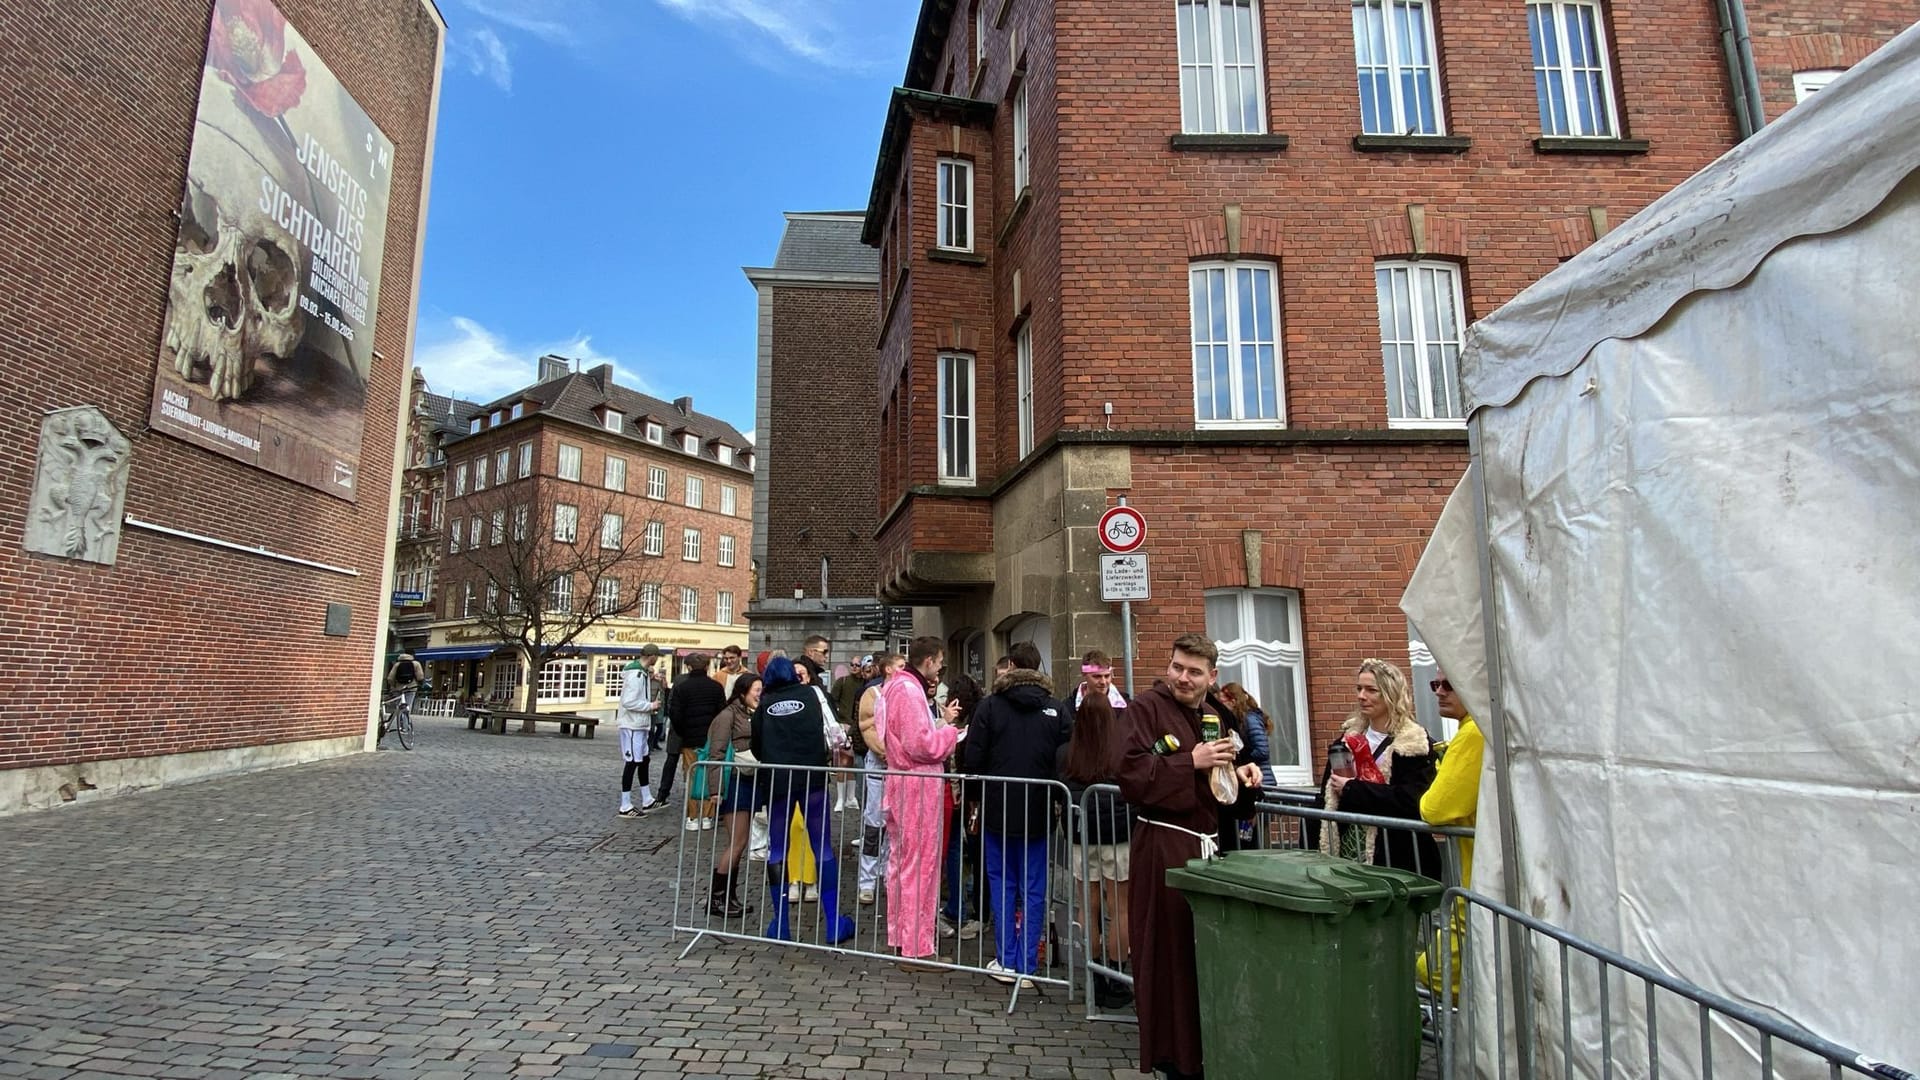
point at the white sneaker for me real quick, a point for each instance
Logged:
(706, 824)
(812, 895)
(793, 893)
(946, 928)
(693, 824)
(855, 842)
(1002, 975)
(969, 929)
(866, 896)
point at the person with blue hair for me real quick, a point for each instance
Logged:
(794, 726)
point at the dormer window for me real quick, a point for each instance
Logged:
(519, 410)
(473, 426)
(614, 421)
(690, 443)
(746, 459)
(656, 434)
(499, 417)
(725, 453)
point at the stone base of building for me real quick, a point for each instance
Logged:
(47, 786)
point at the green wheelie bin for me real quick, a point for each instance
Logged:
(1306, 964)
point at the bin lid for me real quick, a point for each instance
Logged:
(1310, 882)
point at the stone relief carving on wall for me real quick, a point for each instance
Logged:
(80, 487)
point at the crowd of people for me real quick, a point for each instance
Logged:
(952, 782)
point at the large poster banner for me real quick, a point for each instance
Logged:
(268, 341)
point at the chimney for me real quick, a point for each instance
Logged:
(685, 405)
(554, 367)
(603, 373)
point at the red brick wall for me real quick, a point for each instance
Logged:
(180, 646)
(1793, 37)
(822, 444)
(590, 496)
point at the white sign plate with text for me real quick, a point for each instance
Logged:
(1123, 577)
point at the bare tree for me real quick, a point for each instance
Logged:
(545, 569)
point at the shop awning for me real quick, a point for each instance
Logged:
(456, 652)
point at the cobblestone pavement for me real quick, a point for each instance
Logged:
(473, 908)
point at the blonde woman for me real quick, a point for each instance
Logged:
(1380, 765)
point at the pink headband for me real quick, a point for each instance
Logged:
(1095, 669)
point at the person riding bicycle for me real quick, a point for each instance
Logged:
(405, 678)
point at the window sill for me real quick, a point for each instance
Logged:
(1019, 211)
(1561, 144)
(1254, 143)
(1418, 423)
(955, 255)
(1417, 144)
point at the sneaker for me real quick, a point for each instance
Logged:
(706, 824)
(866, 897)
(946, 928)
(812, 895)
(693, 824)
(969, 929)
(629, 811)
(793, 893)
(855, 842)
(648, 807)
(1002, 975)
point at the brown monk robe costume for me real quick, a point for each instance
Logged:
(1169, 790)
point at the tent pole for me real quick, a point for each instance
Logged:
(1494, 728)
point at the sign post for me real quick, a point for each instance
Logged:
(1123, 573)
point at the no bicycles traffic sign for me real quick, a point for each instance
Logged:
(1122, 530)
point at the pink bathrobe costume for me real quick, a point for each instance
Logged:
(916, 810)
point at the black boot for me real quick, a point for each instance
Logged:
(720, 899)
(1111, 993)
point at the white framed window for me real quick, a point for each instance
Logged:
(1021, 144)
(474, 533)
(566, 522)
(696, 492)
(519, 410)
(689, 604)
(526, 459)
(612, 529)
(724, 453)
(724, 556)
(513, 601)
(1221, 90)
(1261, 647)
(1399, 80)
(690, 545)
(473, 426)
(460, 479)
(560, 597)
(613, 421)
(1236, 344)
(466, 600)
(729, 500)
(520, 523)
(649, 602)
(502, 466)
(1023, 388)
(499, 530)
(453, 537)
(656, 482)
(654, 540)
(1571, 77)
(616, 478)
(493, 598)
(439, 505)
(955, 229)
(1421, 327)
(610, 677)
(569, 467)
(506, 676)
(1808, 83)
(564, 680)
(956, 418)
(606, 595)
(480, 473)
(980, 33)
(690, 443)
(499, 417)
(655, 433)
(723, 608)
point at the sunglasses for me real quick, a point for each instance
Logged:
(1438, 685)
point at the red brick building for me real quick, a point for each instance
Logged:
(419, 535)
(633, 507)
(813, 538)
(1218, 257)
(235, 617)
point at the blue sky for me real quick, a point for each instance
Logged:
(604, 168)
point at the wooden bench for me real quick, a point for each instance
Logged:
(495, 721)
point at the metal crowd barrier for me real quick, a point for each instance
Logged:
(1280, 822)
(1611, 1016)
(829, 892)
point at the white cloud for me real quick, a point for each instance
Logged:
(481, 52)
(462, 358)
(808, 29)
(540, 18)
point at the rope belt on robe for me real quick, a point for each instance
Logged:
(1209, 842)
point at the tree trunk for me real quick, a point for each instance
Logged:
(530, 686)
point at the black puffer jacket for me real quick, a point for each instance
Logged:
(1018, 732)
(696, 700)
